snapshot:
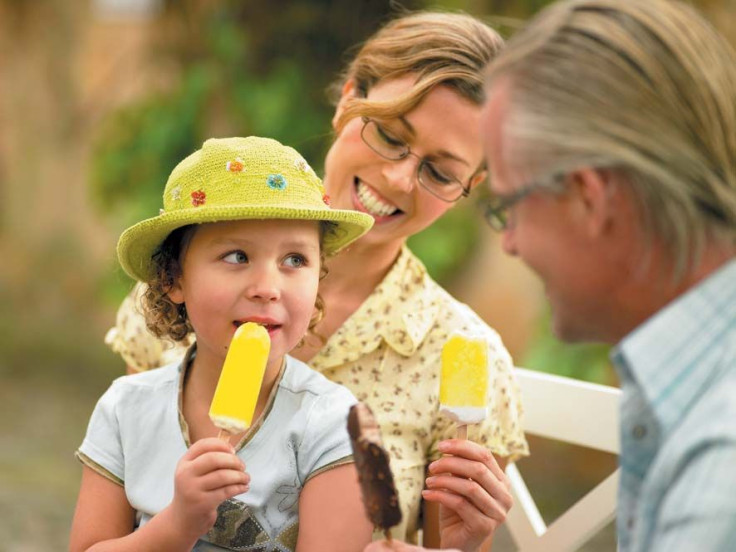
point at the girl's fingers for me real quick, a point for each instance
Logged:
(210, 444)
(212, 461)
(220, 479)
(234, 490)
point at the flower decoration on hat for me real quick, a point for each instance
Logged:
(232, 179)
(198, 198)
(323, 192)
(302, 165)
(236, 166)
(276, 182)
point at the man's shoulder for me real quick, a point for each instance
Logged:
(714, 414)
(706, 432)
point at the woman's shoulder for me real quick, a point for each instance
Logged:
(455, 316)
(432, 293)
(433, 309)
(419, 291)
(299, 378)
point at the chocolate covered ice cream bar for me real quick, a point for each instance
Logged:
(380, 498)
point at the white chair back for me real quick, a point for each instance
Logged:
(575, 412)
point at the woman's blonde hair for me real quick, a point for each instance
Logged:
(644, 87)
(450, 49)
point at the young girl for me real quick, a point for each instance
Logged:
(407, 146)
(241, 238)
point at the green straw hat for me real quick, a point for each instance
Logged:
(236, 179)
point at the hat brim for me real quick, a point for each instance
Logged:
(138, 243)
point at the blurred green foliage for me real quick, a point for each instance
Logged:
(583, 361)
(225, 89)
(447, 244)
(238, 74)
(216, 95)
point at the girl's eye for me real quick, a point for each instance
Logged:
(295, 261)
(236, 257)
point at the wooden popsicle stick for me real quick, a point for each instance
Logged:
(223, 435)
(462, 432)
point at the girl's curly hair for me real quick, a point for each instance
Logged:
(169, 320)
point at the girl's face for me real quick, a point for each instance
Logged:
(444, 129)
(263, 271)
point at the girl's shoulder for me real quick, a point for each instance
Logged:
(142, 388)
(151, 378)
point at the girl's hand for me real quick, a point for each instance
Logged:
(208, 474)
(473, 492)
(397, 546)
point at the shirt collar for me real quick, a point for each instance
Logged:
(186, 364)
(400, 311)
(675, 354)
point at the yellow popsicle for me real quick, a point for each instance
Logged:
(464, 379)
(237, 390)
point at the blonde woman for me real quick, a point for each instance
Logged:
(407, 146)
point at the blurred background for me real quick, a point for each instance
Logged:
(99, 99)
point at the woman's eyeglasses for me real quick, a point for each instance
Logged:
(434, 176)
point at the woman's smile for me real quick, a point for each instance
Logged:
(368, 200)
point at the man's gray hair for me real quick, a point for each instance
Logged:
(645, 87)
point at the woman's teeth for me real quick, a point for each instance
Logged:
(372, 204)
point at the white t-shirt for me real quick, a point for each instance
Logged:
(136, 436)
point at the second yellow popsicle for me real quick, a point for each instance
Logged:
(240, 381)
(464, 378)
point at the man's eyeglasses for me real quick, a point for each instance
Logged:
(496, 212)
(434, 176)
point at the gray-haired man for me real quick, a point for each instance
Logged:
(611, 139)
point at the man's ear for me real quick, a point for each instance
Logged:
(348, 92)
(596, 193)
